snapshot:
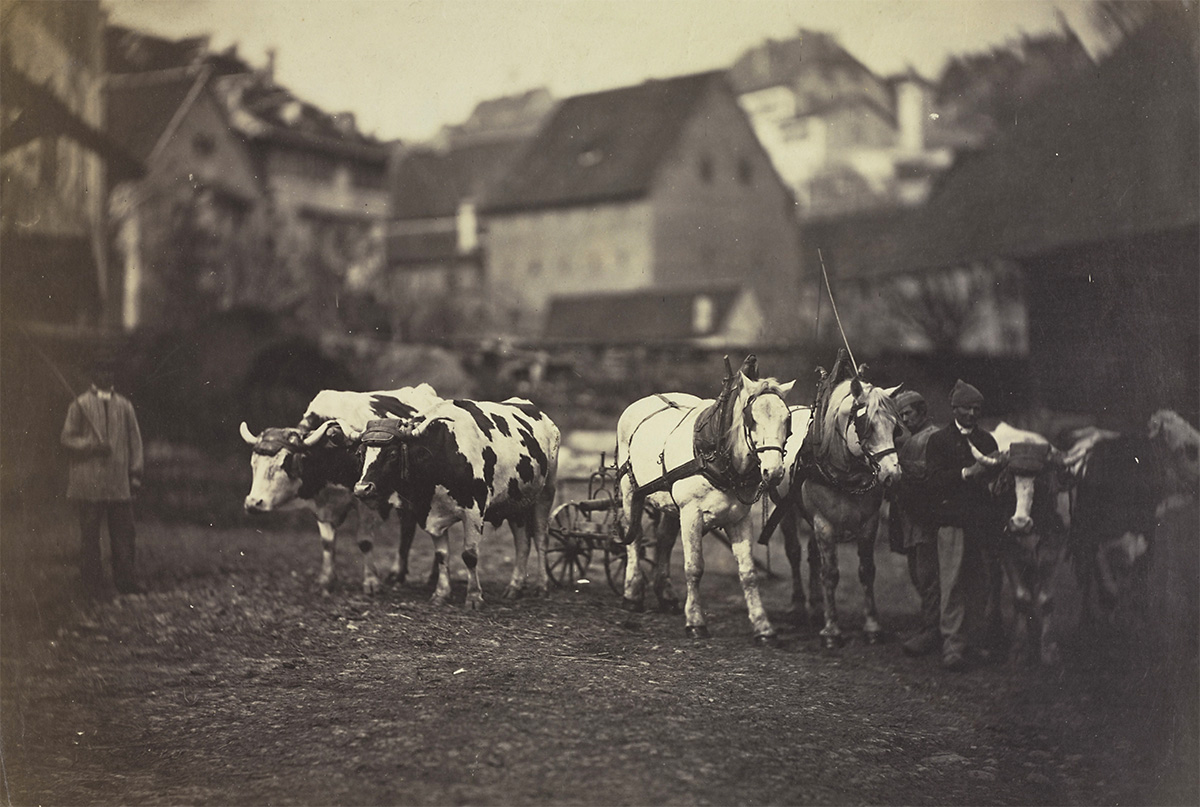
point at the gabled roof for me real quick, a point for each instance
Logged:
(431, 183)
(604, 146)
(1109, 154)
(131, 51)
(774, 63)
(139, 114)
(660, 313)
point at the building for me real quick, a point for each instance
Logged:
(1081, 229)
(655, 186)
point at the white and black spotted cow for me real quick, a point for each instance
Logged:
(470, 462)
(314, 466)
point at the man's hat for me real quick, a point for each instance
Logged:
(964, 394)
(908, 397)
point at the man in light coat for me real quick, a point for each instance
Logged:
(104, 443)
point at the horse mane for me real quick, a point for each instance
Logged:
(877, 400)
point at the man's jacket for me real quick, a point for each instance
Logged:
(960, 502)
(96, 474)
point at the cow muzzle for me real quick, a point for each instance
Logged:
(365, 490)
(1020, 525)
(253, 504)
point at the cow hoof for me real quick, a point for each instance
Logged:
(474, 603)
(438, 600)
(832, 642)
(513, 593)
(766, 640)
(632, 605)
(371, 589)
(697, 631)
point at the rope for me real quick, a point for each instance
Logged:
(836, 316)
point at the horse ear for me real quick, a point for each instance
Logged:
(786, 388)
(750, 367)
(856, 387)
(893, 391)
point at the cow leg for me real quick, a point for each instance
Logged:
(791, 547)
(831, 634)
(516, 583)
(740, 541)
(408, 530)
(368, 529)
(539, 519)
(328, 575)
(1023, 602)
(666, 531)
(441, 566)
(691, 529)
(472, 536)
(866, 576)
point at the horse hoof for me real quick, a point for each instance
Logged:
(632, 605)
(697, 631)
(832, 642)
(766, 640)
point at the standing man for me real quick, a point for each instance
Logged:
(102, 436)
(968, 524)
(913, 520)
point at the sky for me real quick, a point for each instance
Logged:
(406, 67)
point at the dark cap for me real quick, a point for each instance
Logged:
(964, 394)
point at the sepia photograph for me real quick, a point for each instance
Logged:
(599, 402)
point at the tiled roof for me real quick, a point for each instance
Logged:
(642, 314)
(429, 183)
(138, 114)
(774, 63)
(1110, 154)
(601, 147)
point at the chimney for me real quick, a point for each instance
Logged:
(911, 109)
(344, 122)
(269, 70)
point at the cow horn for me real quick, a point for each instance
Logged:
(248, 435)
(317, 433)
(984, 459)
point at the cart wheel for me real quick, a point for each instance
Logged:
(568, 545)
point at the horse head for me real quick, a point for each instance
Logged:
(765, 422)
(867, 418)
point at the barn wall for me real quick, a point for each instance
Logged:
(1114, 327)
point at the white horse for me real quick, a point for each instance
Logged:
(696, 490)
(840, 492)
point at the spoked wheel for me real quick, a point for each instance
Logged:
(616, 559)
(569, 544)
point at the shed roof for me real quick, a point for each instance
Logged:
(430, 183)
(661, 313)
(602, 146)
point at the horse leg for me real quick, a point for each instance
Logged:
(691, 528)
(831, 634)
(665, 533)
(635, 583)
(740, 542)
(791, 547)
(816, 604)
(866, 576)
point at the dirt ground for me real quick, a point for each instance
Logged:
(234, 682)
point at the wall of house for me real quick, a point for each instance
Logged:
(721, 212)
(536, 255)
(51, 182)
(320, 181)
(858, 127)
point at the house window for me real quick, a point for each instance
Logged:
(705, 168)
(703, 314)
(745, 171)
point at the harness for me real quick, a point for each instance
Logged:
(713, 453)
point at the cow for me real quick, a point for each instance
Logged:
(1124, 482)
(470, 462)
(313, 466)
(1031, 477)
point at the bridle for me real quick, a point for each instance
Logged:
(862, 427)
(748, 424)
